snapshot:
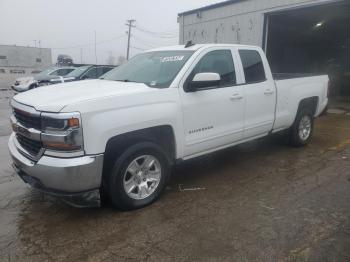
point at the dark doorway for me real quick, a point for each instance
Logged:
(312, 40)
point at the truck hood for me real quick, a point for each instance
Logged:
(54, 98)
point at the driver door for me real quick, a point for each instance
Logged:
(213, 117)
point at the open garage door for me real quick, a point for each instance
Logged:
(313, 40)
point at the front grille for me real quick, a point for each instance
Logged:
(27, 120)
(33, 147)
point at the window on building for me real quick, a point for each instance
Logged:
(2, 71)
(253, 66)
(17, 71)
(36, 72)
(218, 61)
(3, 57)
(38, 60)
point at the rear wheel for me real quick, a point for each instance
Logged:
(301, 132)
(138, 177)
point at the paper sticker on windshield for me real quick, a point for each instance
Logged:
(172, 58)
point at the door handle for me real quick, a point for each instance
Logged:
(236, 97)
(268, 92)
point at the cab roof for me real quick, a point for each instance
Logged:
(195, 47)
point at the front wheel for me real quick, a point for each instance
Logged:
(138, 177)
(301, 132)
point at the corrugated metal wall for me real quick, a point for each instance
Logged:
(237, 23)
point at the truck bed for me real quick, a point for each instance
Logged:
(283, 76)
(291, 89)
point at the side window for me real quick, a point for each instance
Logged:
(253, 66)
(65, 71)
(106, 69)
(102, 70)
(54, 73)
(218, 61)
(91, 73)
(59, 72)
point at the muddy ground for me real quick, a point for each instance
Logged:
(263, 201)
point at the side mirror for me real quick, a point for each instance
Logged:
(203, 80)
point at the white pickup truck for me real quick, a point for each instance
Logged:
(121, 134)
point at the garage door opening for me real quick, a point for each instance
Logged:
(314, 40)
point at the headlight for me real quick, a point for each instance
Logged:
(62, 132)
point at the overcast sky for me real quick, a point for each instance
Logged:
(67, 26)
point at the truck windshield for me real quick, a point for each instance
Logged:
(155, 69)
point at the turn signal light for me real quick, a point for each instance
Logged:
(60, 146)
(73, 122)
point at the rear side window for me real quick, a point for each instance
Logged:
(106, 69)
(61, 72)
(64, 71)
(218, 61)
(253, 66)
(91, 74)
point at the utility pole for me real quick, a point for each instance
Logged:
(95, 50)
(130, 25)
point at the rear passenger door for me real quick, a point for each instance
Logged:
(260, 94)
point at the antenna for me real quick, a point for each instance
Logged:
(189, 44)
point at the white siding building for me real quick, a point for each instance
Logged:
(17, 61)
(298, 36)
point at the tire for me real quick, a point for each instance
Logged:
(301, 132)
(32, 86)
(143, 183)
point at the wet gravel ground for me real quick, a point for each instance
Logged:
(262, 201)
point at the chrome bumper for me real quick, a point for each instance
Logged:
(59, 176)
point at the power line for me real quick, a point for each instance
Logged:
(138, 48)
(169, 33)
(155, 34)
(90, 44)
(150, 45)
(130, 25)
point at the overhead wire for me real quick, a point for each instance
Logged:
(155, 34)
(91, 44)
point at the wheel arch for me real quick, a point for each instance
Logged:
(163, 136)
(310, 103)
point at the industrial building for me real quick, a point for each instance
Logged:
(298, 36)
(17, 61)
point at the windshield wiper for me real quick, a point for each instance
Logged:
(125, 80)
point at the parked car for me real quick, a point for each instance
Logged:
(64, 60)
(26, 83)
(82, 73)
(120, 135)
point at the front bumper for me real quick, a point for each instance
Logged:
(70, 178)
